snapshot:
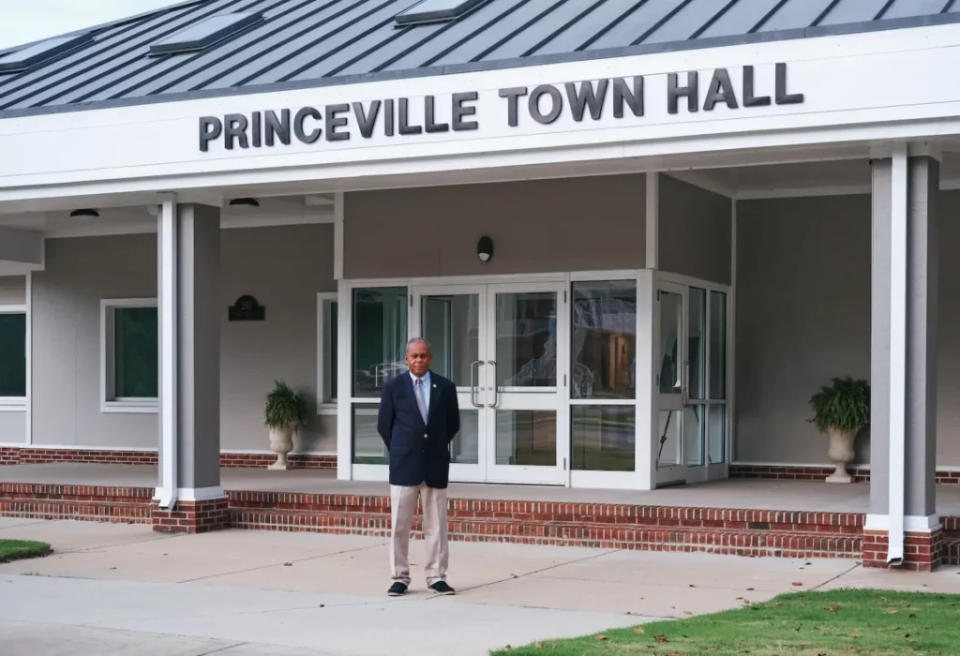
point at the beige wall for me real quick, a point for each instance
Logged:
(694, 231)
(284, 267)
(803, 316)
(12, 290)
(536, 226)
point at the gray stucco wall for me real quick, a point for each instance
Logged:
(948, 335)
(12, 290)
(284, 267)
(536, 226)
(803, 316)
(694, 231)
(66, 338)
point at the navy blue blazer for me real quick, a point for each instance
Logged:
(418, 452)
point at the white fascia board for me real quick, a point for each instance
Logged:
(846, 100)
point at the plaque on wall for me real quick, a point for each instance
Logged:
(246, 309)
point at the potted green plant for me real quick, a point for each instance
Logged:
(841, 409)
(285, 409)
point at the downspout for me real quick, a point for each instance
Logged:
(167, 261)
(898, 353)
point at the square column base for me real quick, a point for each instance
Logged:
(922, 550)
(191, 516)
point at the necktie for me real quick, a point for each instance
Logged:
(421, 402)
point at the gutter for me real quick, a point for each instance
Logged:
(898, 353)
(167, 260)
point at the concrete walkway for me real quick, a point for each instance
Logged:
(116, 588)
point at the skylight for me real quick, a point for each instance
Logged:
(21, 60)
(434, 11)
(206, 33)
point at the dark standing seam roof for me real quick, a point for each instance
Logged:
(304, 43)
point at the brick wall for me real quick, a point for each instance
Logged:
(800, 473)
(38, 455)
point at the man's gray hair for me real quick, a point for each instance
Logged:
(418, 340)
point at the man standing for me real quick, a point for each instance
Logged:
(418, 418)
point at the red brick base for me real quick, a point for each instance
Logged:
(859, 473)
(191, 516)
(30, 455)
(922, 552)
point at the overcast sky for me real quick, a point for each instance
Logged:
(28, 20)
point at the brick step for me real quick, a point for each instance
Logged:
(749, 542)
(615, 514)
(96, 511)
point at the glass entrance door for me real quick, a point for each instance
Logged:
(453, 319)
(525, 378)
(499, 344)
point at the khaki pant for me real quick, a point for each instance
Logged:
(403, 507)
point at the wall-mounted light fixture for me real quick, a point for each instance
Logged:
(84, 213)
(485, 249)
(244, 202)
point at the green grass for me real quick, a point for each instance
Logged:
(16, 549)
(841, 622)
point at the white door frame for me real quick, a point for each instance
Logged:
(640, 479)
(681, 472)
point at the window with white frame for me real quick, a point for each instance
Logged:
(13, 355)
(128, 347)
(327, 353)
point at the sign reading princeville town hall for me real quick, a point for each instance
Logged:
(543, 103)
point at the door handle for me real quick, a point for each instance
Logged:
(496, 389)
(474, 368)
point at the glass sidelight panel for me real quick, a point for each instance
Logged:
(603, 437)
(464, 449)
(718, 345)
(604, 341)
(718, 433)
(668, 439)
(671, 321)
(368, 447)
(526, 333)
(379, 337)
(693, 434)
(452, 326)
(526, 437)
(697, 341)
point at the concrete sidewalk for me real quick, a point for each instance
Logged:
(115, 588)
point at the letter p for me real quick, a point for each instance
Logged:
(210, 129)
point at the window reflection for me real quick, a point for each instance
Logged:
(604, 339)
(527, 437)
(671, 319)
(603, 437)
(379, 337)
(527, 339)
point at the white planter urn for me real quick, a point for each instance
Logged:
(281, 443)
(841, 453)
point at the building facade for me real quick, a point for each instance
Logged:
(638, 235)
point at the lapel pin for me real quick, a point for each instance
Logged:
(434, 386)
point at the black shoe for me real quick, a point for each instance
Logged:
(398, 589)
(441, 587)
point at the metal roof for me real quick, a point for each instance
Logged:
(306, 43)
